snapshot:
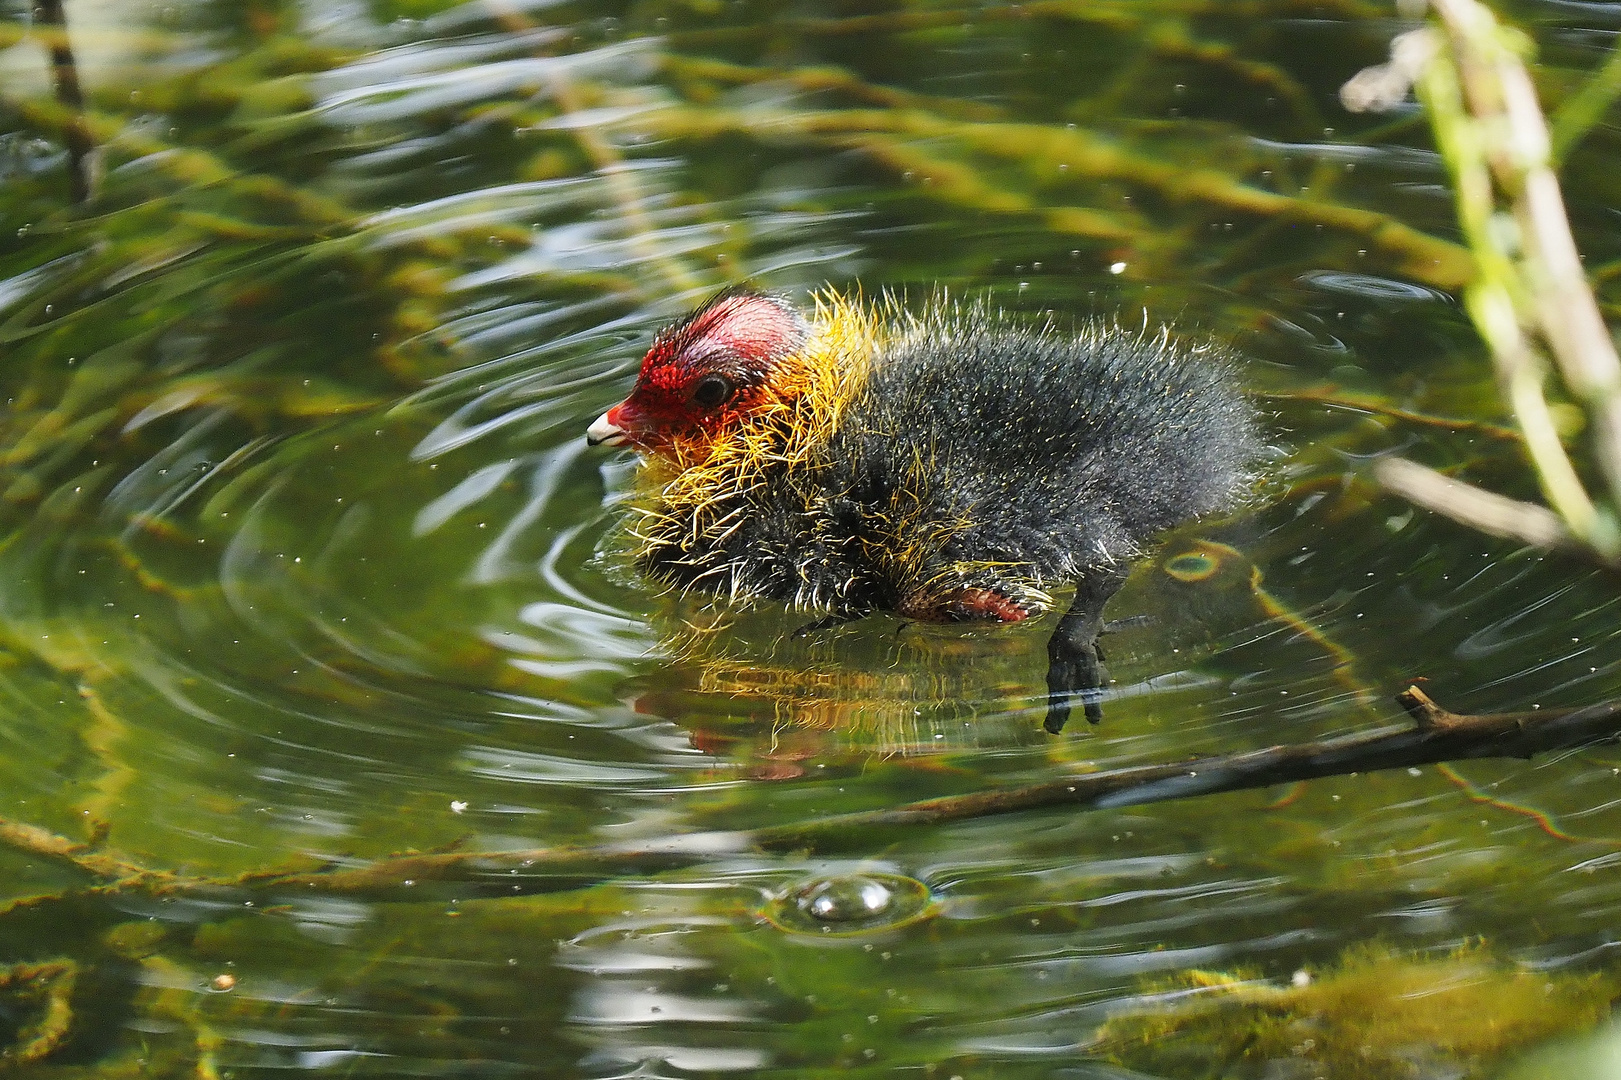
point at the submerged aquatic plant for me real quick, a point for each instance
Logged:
(1378, 1014)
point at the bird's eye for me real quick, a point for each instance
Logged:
(712, 390)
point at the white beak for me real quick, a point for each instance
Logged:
(603, 433)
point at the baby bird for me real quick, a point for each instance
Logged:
(948, 466)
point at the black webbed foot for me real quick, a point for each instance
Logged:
(1074, 662)
(1074, 670)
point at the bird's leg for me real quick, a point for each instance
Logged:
(1074, 664)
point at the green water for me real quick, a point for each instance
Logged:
(304, 563)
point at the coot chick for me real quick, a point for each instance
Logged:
(953, 465)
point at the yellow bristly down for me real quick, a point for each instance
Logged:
(803, 405)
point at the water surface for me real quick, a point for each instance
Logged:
(305, 563)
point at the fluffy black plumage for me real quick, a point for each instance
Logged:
(1062, 455)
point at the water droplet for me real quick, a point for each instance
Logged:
(845, 899)
(851, 903)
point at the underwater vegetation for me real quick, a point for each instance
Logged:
(1376, 1014)
(340, 733)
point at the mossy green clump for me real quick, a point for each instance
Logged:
(1379, 1015)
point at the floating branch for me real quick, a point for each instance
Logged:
(1437, 736)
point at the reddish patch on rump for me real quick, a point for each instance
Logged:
(968, 605)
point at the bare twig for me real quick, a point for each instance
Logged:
(1563, 307)
(1484, 511)
(1529, 296)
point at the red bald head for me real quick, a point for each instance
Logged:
(709, 370)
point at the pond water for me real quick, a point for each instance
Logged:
(340, 733)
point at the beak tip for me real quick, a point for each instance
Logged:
(604, 432)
